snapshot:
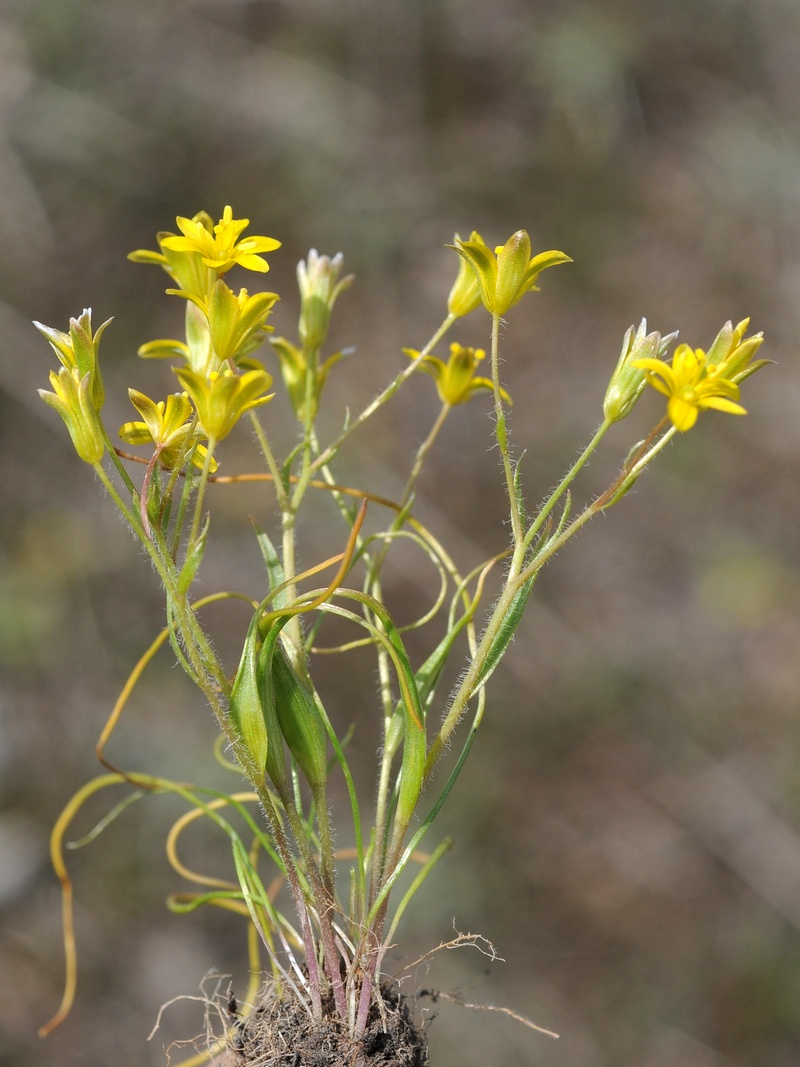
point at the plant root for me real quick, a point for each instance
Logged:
(279, 1033)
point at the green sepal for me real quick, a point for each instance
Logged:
(721, 346)
(86, 347)
(740, 376)
(512, 271)
(198, 338)
(187, 268)
(484, 264)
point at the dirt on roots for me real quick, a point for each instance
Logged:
(280, 1033)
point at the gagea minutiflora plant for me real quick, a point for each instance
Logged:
(318, 887)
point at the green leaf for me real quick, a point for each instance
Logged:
(505, 633)
(244, 708)
(293, 699)
(194, 558)
(414, 739)
(273, 564)
(428, 674)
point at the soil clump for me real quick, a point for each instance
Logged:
(280, 1033)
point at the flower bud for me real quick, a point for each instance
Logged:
(627, 381)
(319, 288)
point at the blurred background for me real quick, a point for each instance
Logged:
(628, 830)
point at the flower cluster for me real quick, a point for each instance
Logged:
(221, 380)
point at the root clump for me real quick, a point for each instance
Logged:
(280, 1033)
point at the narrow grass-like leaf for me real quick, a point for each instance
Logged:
(273, 563)
(506, 631)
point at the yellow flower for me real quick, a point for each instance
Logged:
(505, 275)
(78, 350)
(184, 267)
(691, 385)
(465, 295)
(169, 426)
(72, 399)
(455, 380)
(223, 397)
(236, 324)
(221, 250)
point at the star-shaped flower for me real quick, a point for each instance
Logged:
(221, 249)
(691, 385)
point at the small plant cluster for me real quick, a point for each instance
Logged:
(316, 887)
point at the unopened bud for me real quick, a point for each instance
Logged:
(317, 279)
(627, 381)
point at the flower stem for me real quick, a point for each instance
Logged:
(565, 482)
(201, 492)
(380, 399)
(501, 433)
